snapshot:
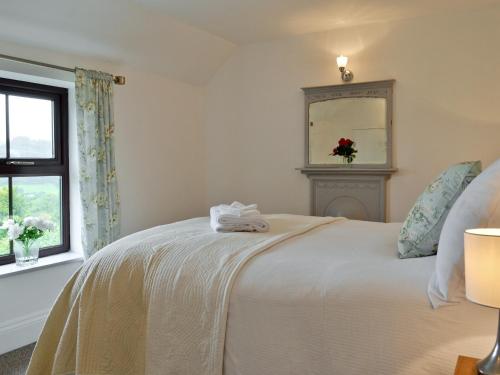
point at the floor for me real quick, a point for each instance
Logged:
(16, 362)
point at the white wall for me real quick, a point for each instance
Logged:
(159, 150)
(26, 299)
(159, 147)
(446, 105)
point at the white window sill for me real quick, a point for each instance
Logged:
(49, 261)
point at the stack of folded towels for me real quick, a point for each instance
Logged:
(237, 218)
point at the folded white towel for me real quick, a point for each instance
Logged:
(236, 209)
(237, 218)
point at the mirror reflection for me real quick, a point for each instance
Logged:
(360, 119)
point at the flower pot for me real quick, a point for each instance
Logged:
(26, 252)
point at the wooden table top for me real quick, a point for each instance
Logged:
(466, 366)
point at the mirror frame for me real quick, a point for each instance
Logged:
(376, 89)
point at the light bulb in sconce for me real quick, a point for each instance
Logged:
(345, 74)
(342, 61)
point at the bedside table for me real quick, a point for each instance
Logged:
(466, 366)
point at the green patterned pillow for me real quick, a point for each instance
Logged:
(419, 235)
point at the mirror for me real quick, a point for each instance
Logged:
(361, 112)
(363, 120)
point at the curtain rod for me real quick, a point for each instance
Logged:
(119, 80)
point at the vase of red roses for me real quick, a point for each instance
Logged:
(345, 148)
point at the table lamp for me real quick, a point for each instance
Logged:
(482, 282)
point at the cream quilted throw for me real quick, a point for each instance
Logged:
(154, 302)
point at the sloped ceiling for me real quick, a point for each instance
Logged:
(117, 31)
(189, 39)
(248, 21)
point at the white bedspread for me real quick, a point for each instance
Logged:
(339, 301)
(155, 302)
(335, 300)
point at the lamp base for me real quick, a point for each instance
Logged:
(491, 364)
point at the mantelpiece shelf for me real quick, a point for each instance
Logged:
(347, 171)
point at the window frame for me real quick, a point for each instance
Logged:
(57, 166)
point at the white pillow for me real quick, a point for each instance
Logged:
(477, 207)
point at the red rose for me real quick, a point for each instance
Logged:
(345, 149)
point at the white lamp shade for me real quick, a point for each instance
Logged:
(342, 61)
(482, 266)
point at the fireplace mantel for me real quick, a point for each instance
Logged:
(358, 194)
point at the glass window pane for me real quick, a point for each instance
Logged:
(41, 197)
(3, 137)
(31, 127)
(4, 214)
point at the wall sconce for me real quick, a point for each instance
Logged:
(344, 73)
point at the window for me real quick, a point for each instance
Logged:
(34, 179)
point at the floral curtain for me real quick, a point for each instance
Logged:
(98, 185)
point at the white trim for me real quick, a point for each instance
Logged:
(36, 74)
(49, 261)
(21, 331)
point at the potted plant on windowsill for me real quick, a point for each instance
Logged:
(25, 235)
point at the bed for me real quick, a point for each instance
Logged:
(340, 301)
(332, 298)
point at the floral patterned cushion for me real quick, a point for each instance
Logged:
(419, 235)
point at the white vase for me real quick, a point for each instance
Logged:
(26, 253)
